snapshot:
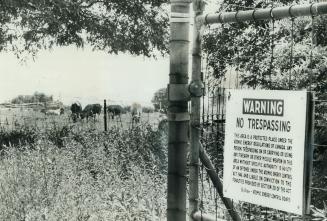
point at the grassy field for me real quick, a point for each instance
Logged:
(53, 169)
(13, 118)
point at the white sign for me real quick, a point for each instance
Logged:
(264, 148)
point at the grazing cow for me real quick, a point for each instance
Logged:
(115, 110)
(76, 109)
(43, 110)
(136, 111)
(91, 110)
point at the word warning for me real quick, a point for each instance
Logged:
(265, 148)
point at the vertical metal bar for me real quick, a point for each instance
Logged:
(208, 94)
(308, 153)
(212, 103)
(223, 110)
(291, 56)
(203, 117)
(272, 54)
(195, 115)
(219, 126)
(216, 205)
(105, 115)
(313, 44)
(178, 128)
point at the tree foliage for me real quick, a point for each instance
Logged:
(281, 54)
(37, 97)
(262, 52)
(138, 27)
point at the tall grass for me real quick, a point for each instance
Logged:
(69, 174)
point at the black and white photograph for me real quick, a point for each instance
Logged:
(163, 110)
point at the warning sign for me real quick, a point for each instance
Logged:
(264, 155)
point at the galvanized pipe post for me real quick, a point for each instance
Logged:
(178, 116)
(196, 89)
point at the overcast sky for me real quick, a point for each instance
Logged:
(71, 74)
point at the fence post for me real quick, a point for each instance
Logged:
(105, 115)
(198, 7)
(178, 116)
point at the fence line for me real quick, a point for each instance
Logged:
(11, 119)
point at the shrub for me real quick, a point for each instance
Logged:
(58, 135)
(19, 136)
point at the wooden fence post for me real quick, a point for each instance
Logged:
(178, 116)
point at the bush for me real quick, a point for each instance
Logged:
(20, 136)
(146, 147)
(58, 135)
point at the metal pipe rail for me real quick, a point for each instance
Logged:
(273, 13)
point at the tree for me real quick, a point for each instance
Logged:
(160, 100)
(37, 97)
(138, 27)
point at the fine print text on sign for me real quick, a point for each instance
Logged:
(264, 148)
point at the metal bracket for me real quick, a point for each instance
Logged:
(179, 20)
(184, 92)
(185, 116)
(196, 88)
(178, 92)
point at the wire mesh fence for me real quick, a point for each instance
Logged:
(213, 123)
(213, 133)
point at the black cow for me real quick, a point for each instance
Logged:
(62, 111)
(115, 110)
(76, 109)
(91, 110)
